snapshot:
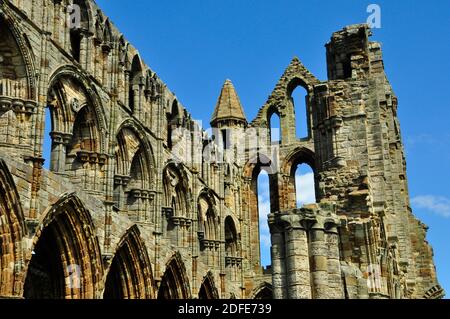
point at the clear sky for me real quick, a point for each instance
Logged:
(195, 45)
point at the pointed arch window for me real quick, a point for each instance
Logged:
(264, 209)
(275, 128)
(299, 98)
(136, 84)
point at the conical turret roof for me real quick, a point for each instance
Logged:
(228, 106)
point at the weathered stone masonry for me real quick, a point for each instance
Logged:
(119, 216)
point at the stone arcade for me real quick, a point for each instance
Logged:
(118, 215)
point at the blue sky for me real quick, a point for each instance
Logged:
(195, 45)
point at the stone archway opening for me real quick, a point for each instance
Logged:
(208, 289)
(174, 283)
(45, 278)
(65, 261)
(130, 275)
(305, 191)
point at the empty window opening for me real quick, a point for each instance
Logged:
(275, 129)
(304, 185)
(47, 142)
(299, 97)
(263, 191)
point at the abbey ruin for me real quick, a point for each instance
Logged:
(139, 202)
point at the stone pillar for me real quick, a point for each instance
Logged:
(58, 154)
(136, 94)
(278, 263)
(126, 88)
(335, 289)
(297, 261)
(85, 56)
(318, 258)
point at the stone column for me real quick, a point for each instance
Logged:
(126, 88)
(319, 267)
(297, 260)
(335, 289)
(278, 260)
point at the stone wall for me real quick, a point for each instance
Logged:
(130, 209)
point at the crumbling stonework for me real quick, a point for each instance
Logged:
(139, 202)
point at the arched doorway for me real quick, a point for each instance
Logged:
(264, 291)
(208, 289)
(130, 275)
(12, 230)
(174, 283)
(66, 260)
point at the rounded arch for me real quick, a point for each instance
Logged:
(208, 288)
(65, 261)
(293, 161)
(9, 26)
(12, 232)
(125, 162)
(62, 119)
(130, 273)
(175, 282)
(263, 291)
(300, 155)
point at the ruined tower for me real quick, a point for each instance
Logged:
(139, 202)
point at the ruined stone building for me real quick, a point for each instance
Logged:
(140, 202)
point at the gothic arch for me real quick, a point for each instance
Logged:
(134, 169)
(26, 54)
(250, 197)
(136, 83)
(12, 231)
(251, 171)
(62, 119)
(208, 288)
(263, 291)
(271, 113)
(177, 194)
(295, 75)
(208, 217)
(108, 37)
(65, 261)
(175, 282)
(125, 161)
(174, 119)
(232, 237)
(130, 273)
(299, 156)
(87, 24)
